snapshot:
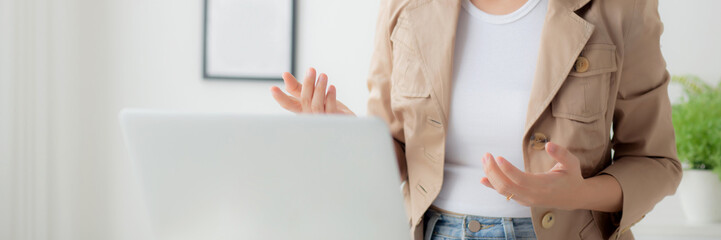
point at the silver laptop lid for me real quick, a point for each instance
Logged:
(239, 176)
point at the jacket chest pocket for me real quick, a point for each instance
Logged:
(408, 76)
(584, 95)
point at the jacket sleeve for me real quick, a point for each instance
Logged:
(645, 162)
(379, 79)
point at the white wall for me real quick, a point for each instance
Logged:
(691, 39)
(690, 43)
(111, 54)
(6, 182)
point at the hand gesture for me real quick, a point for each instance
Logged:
(560, 187)
(309, 97)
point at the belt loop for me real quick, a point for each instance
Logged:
(431, 224)
(464, 227)
(509, 228)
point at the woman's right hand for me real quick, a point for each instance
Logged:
(309, 97)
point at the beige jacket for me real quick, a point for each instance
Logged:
(600, 68)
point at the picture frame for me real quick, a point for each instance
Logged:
(248, 39)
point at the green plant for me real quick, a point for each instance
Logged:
(697, 122)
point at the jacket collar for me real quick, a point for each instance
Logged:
(563, 37)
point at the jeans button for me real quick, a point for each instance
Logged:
(474, 226)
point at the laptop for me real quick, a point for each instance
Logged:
(243, 176)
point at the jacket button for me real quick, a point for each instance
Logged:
(538, 141)
(548, 220)
(581, 65)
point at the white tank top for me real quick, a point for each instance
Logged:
(493, 67)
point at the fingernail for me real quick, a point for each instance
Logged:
(484, 160)
(551, 147)
(308, 72)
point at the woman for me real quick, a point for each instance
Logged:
(541, 82)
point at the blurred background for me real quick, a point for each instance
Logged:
(67, 67)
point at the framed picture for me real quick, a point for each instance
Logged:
(248, 39)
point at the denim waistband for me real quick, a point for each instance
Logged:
(444, 225)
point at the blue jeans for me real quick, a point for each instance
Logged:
(448, 226)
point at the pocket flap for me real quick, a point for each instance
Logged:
(601, 59)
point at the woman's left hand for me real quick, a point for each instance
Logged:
(559, 188)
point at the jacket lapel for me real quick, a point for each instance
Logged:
(434, 25)
(563, 37)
